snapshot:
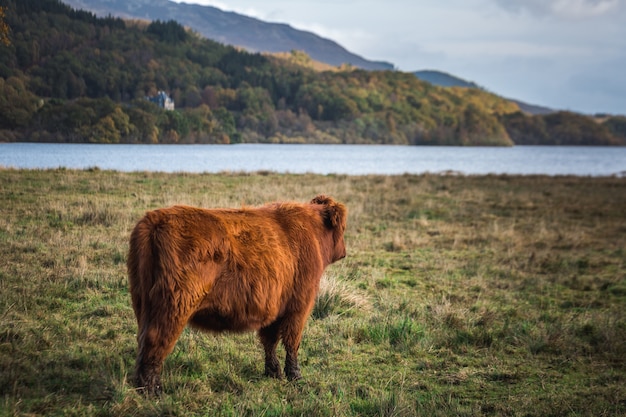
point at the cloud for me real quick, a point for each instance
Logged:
(566, 9)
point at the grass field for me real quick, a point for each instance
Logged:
(465, 296)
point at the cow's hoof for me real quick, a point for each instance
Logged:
(294, 375)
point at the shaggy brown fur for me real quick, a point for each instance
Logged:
(251, 269)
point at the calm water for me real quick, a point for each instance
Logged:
(321, 159)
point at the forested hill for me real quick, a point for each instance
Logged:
(70, 76)
(232, 29)
(446, 80)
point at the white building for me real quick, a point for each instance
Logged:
(162, 100)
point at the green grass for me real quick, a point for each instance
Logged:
(490, 295)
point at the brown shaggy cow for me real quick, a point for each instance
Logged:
(230, 270)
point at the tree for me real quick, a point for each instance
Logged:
(104, 131)
(143, 128)
(617, 126)
(17, 104)
(526, 129)
(170, 31)
(567, 128)
(4, 28)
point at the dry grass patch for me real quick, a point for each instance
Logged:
(337, 296)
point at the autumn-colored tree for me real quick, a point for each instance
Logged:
(617, 126)
(4, 28)
(17, 104)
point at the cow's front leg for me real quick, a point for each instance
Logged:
(292, 335)
(292, 369)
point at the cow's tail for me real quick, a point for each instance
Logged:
(141, 268)
(151, 272)
(152, 266)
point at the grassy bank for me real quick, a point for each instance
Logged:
(468, 296)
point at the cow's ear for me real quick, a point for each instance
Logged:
(334, 213)
(322, 200)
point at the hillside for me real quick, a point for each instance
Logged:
(232, 29)
(444, 79)
(69, 76)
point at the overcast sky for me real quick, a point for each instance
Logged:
(564, 54)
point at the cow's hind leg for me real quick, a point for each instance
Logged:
(157, 338)
(150, 357)
(269, 338)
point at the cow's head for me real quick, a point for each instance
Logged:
(335, 216)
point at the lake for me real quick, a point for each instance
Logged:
(320, 159)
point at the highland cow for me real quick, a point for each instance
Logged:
(235, 270)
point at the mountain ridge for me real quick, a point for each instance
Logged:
(234, 29)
